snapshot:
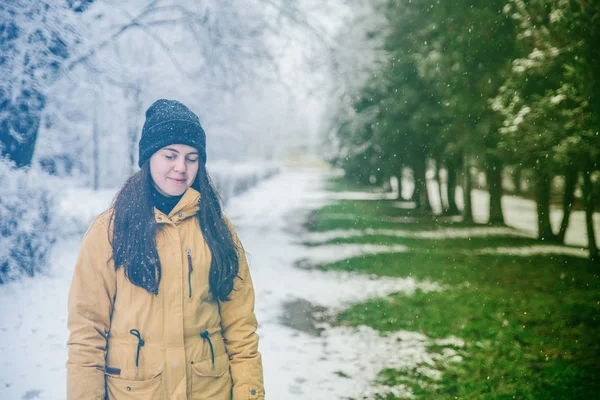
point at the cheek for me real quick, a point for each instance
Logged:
(157, 171)
(192, 174)
(153, 174)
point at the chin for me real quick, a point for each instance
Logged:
(176, 192)
(171, 190)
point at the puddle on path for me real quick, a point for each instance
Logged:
(303, 316)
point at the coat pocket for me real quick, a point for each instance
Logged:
(149, 389)
(211, 382)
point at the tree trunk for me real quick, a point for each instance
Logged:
(438, 169)
(467, 185)
(451, 189)
(96, 146)
(380, 177)
(399, 182)
(494, 183)
(516, 175)
(542, 196)
(588, 200)
(420, 194)
(133, 129)
(413, 196)
(568, 197)
(19, 125)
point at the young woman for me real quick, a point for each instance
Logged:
(161, 304)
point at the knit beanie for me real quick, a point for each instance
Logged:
(170, 122)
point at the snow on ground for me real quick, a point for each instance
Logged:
(333, 253)
(329, 363)
(527, 251)
(442, 233)
(33, 332)
(341, 362)
(363, 196)
(347, 250)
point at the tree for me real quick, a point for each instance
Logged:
(53, 53)
(426, 99)
(551, 103)
(35, 41)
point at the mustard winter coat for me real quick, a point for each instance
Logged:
(128, 344)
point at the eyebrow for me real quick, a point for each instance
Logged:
(176, 151)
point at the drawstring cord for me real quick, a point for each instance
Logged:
(137, 334)
(205, 335)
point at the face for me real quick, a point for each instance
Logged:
(173, 169)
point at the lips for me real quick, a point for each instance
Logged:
(177, 180)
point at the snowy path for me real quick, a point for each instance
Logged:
(301, 364)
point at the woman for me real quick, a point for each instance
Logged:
(161, 304)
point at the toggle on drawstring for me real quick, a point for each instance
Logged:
(136, 333)
(205, 335)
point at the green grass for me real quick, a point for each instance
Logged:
(341, 185)
(370, 208)
(362, 214)
(435, 245)
(531, 324)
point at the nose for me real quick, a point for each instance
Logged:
(180, 165)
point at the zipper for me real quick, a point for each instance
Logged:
(190, 269)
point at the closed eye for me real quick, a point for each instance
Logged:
(170, 157)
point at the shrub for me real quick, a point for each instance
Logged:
(27, 220)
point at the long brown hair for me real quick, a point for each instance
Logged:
(134, 234)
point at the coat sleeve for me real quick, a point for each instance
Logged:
(239, 325)
(91, 300)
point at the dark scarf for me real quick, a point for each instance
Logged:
(163, 203)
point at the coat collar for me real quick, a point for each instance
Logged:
(187, 206)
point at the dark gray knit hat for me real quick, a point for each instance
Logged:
(170, 122)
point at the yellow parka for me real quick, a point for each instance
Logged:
(128, 344)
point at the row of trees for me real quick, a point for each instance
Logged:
(488, 85)
(77, 75)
